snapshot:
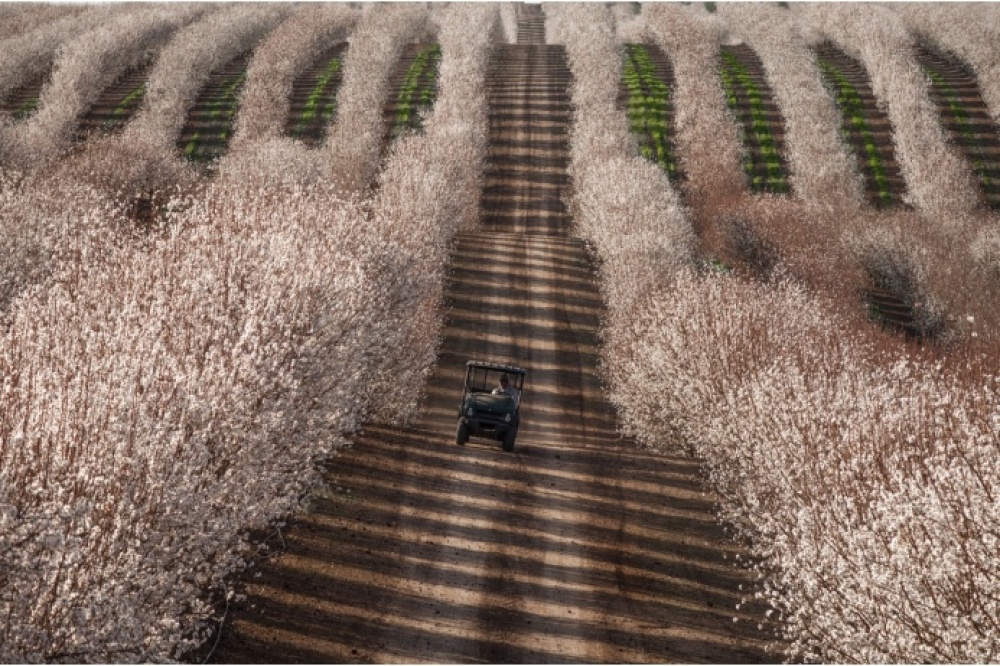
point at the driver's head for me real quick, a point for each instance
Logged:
(503, 381)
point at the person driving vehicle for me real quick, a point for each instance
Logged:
(506, 388)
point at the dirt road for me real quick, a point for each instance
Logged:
(577, 546)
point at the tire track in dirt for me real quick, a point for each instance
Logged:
(576, 547)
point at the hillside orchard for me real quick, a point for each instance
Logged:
(183, 344)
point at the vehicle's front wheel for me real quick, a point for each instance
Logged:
(462, 435)
(508, 439)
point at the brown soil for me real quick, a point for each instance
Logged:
(578, 546)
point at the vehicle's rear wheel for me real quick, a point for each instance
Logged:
(462, 435)
(508, 439)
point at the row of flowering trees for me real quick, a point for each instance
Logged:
(29, 55)
(85, 66)
(23, 17)
(863, 475)
(167, 391)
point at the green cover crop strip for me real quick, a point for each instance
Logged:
(961, 117)
(852, 110)
(419, 89)
(322, 100)
(125, 107)
(24, 111)
(735, 79)
(221, 110)
(648, 108)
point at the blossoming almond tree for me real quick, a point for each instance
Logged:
(29, 56)
(938, 179)
(258, 151)
(822, 173)
(622, 203)
(85, 66)
(852, 468)
(291, 48)
(355, 140)
(165, 416)
(20, 18)
(419, 210)
(964, 30)
(141, 162)
(708, 141)
(508, 17)
(187, 61)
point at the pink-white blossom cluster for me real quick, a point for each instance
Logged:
(38, 223)
(162, 397)
(630, 26)
(866, 482)
(508, 18)
(18, 18)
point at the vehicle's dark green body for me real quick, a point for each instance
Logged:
(483, 413)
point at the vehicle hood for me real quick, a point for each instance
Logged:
(487, 402)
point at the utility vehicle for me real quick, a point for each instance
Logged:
(486, 409)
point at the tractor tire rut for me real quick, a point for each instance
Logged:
(576, 547)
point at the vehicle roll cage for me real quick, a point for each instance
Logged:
(514, 374)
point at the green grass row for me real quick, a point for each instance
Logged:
(419, 89)
(24, 111)
(125, 107)
(322, 99)
(852, 109)
(648, 107)
(221, 110)
(961, 117)
(736, 77)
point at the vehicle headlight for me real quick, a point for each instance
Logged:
(470, 411)
(506, 417)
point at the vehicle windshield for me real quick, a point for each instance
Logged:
(484, 380)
